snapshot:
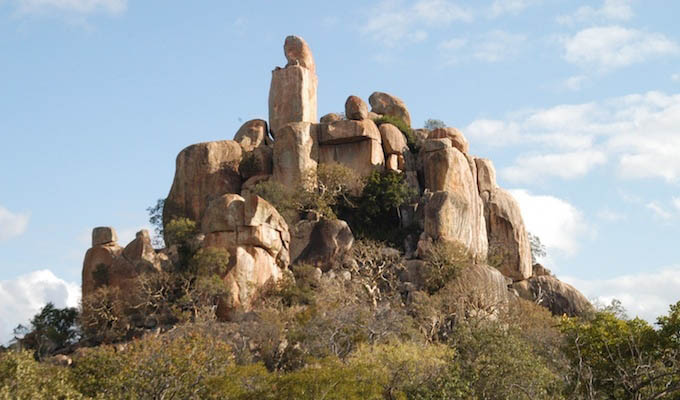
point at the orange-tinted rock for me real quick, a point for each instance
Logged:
(355, 108)
(386, 104)
(251, 134)
(295, 153)
(297, 52)
(292, 97)
(103, 235)
(393, 140)
(347, 131)
(457, 139)
(203, 171)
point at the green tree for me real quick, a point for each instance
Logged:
(538, 250)
(23, 378)
(431, 124)
(51, 330)
(156, 220)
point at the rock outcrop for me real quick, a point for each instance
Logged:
(252, 134)
(109, 264)
(386, 104)
(321, 243)
(296, 153)
(559, 297)
(509, 245)
(203, 171)
(355, 108)
(292, 94)
(453, 211)
(457, 139)
(257, 239)
(355, 144)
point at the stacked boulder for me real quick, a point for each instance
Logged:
(456, 198)
(109, 264)
(257, 239)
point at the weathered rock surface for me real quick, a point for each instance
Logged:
(257, 239)
(98, 268)
(109, 264)
(486, 177)
(292, 94)
(259, 161)
(509, 245)
(141, 253)
(203, 171)
(295, 153)
(540, 270)
(251, 134)
(559, 297)
(393, 140)
(355, 108)
(297, 52)
(486, 289)
(364, 156)
(454, 211)
(347, 131)
(331, 117)
(103, 235)
(457, 139)
(386, 104)
(321, 243)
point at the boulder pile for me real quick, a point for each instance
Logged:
(456, 198)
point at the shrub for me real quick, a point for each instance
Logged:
(179, 231)
(444, 262)
(281, 197)
(156, 220)
(21, 377)
(403, 127)
(432, 124)
(377, 212)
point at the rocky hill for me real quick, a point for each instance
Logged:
(453, 197)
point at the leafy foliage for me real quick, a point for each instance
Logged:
(444, 262)
(431, 124)
(51, 330)
(537, 248)
(156, 220)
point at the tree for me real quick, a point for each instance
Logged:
(537, 248)
(156, 220)
(614, 357)
(432, 124)
(51, 330)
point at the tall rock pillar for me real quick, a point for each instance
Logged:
(292, 94)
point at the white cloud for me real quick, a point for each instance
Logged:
(113, 7)
(393, 23)
(528, 169)
(658, 210)
(575, 82)
(12, 224)
(560, 226)
(612, 47)
(645, 294)
(676, 203)
(620, 10)
(501, 7)
(640, 132)
(498, 45)
(22, 298)
(610, 215)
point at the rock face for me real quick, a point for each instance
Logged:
(457, 139)
(355, 144)
(453, 211)
(486, 289)
(355, 108)
(508, 240)
(251, 134)
(331, 117)
(257, 239)
(295, 153)
(292, 94)
(321, 243)
(393, 140)
(298, 53)
(103, 235)
(203, 171)
(108, 264)
(348, 131)
(559, 297)
(386, 104)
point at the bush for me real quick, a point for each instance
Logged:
(156, 220)
(281, 197)
(432, 124)
(179, 231)
(443, 262)
(51, 330)
(403, 127)
(21, 377)
(377, 213)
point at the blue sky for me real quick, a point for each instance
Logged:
(577, 104)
